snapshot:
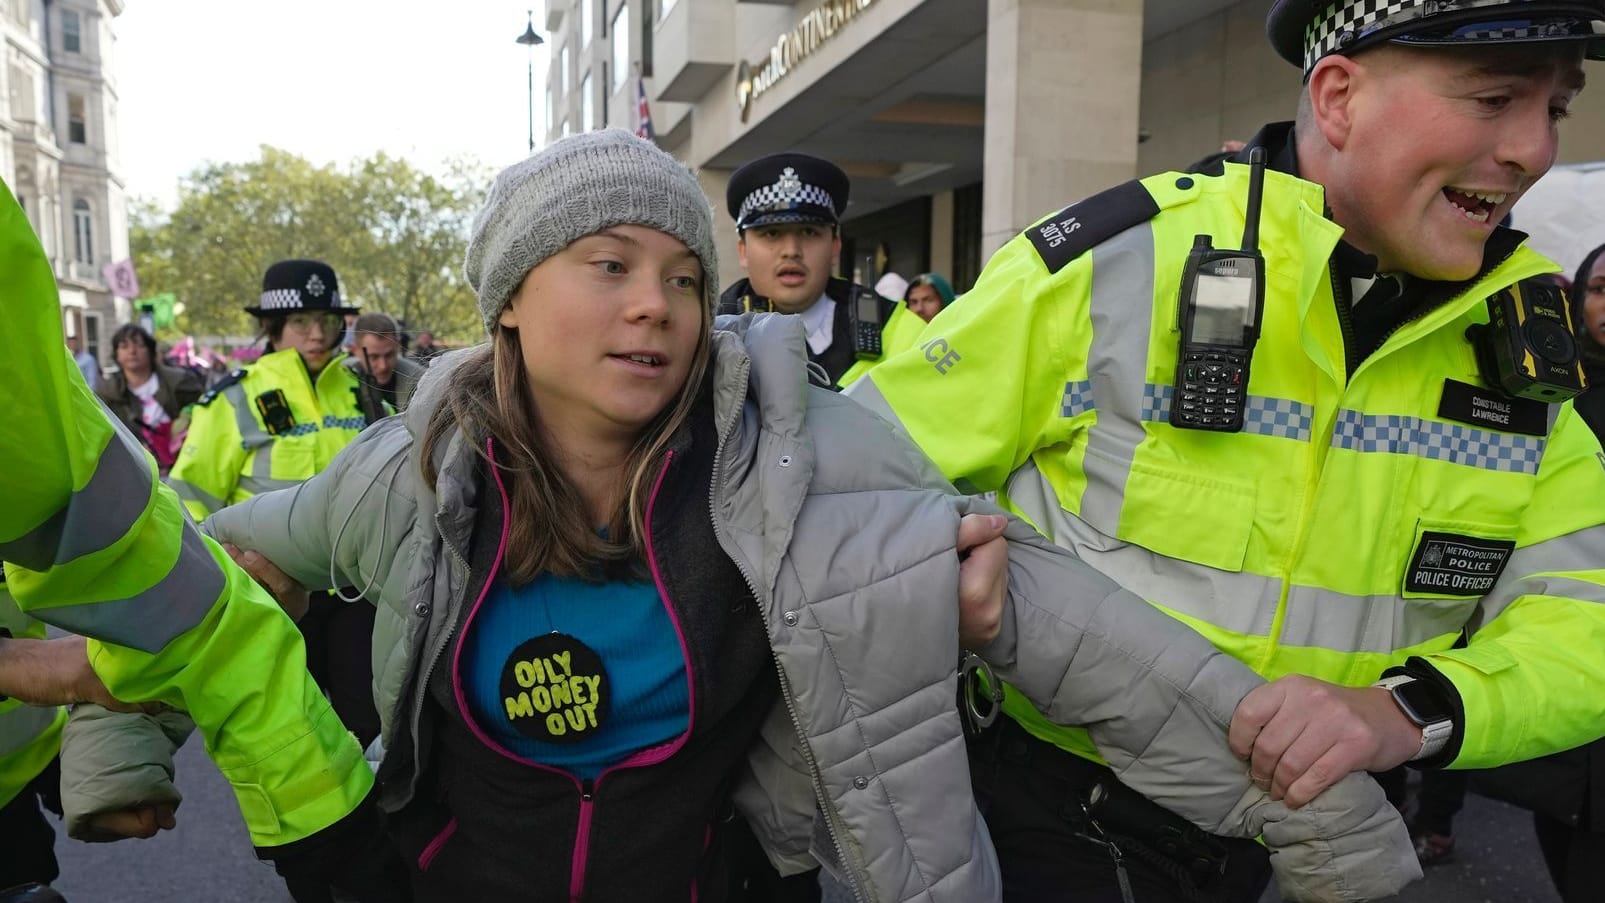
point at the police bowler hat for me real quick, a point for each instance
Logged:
(1304, 31)
(293, 286)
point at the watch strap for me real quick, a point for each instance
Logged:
(1434, 734)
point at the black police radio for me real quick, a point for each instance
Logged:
(867, 326)
(1222, 301)
(1529, 347)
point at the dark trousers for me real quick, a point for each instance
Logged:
(27, 842)
(754, 880)
(339, 641)
(1439, 800)
(1031, 794)
(1575, 857)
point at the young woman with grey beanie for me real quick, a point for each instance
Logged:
(636, 576)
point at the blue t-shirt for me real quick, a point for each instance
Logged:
(573, 674)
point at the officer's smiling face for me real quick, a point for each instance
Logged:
(789, 264)
(1433, 147)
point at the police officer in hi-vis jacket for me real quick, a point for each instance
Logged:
(1320, 441)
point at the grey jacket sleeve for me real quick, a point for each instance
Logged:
(1157, 699)
(343, 527)
(111, 761)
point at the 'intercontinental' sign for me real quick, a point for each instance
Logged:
(817, 27)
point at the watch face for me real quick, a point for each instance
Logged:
(1422, 702)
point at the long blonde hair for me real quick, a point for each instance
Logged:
(488, 396)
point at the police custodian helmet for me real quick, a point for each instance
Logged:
(787, 188)
(293, 286)
(1304, 31)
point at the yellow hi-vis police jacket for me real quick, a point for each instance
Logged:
(1349, 527)
(267, 428)
(94, 544)
(30, 736)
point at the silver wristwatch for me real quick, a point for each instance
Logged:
(1418, 703)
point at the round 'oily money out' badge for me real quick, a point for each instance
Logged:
(555, 689)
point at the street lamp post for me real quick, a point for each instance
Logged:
(529, 39)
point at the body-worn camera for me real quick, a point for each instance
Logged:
(1529, 347)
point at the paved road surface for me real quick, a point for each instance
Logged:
(208, 859)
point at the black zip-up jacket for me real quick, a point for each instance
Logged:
(485, 827)
(739, 298)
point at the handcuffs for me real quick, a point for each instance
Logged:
(978, 684)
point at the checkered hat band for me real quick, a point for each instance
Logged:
(774, 199)
(280, 299)
(290, 299)
(1347, 21)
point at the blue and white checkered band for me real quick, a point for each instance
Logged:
(1347, 21)
(787, 193)
(280, 299)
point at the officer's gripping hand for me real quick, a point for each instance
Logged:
(142, 822)
(291, 596)
(983, 577)
(1301, 735)
(54, 672)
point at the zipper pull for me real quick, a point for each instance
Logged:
(1103, 839)
(587, 790)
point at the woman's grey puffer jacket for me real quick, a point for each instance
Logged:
(846, 534)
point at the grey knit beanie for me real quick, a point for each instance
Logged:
(577, 187)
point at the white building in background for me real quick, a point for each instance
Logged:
(960, 122)
(59, 154)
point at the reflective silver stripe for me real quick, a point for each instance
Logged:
(149, 620)
(1121, 311)
(1239, 602)
(95, 516)
(253, 439)
(255, 486)
(22, 725)
(1077, 398)
(1282, 418)
(189, 492)
(866, 393)
(1438, 441)
(1326, 619)
(1527, 572)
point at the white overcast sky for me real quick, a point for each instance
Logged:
(330, 80)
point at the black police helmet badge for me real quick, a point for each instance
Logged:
(292, 286)
(787, 188)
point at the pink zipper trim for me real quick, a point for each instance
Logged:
(649, 756)
(656, 754)
(707, 841)
(427, 857)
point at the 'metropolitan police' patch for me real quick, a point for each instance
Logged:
(1446, 564)
(1081, 226)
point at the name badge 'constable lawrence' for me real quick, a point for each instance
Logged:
(787, 209)
(1388, 502)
